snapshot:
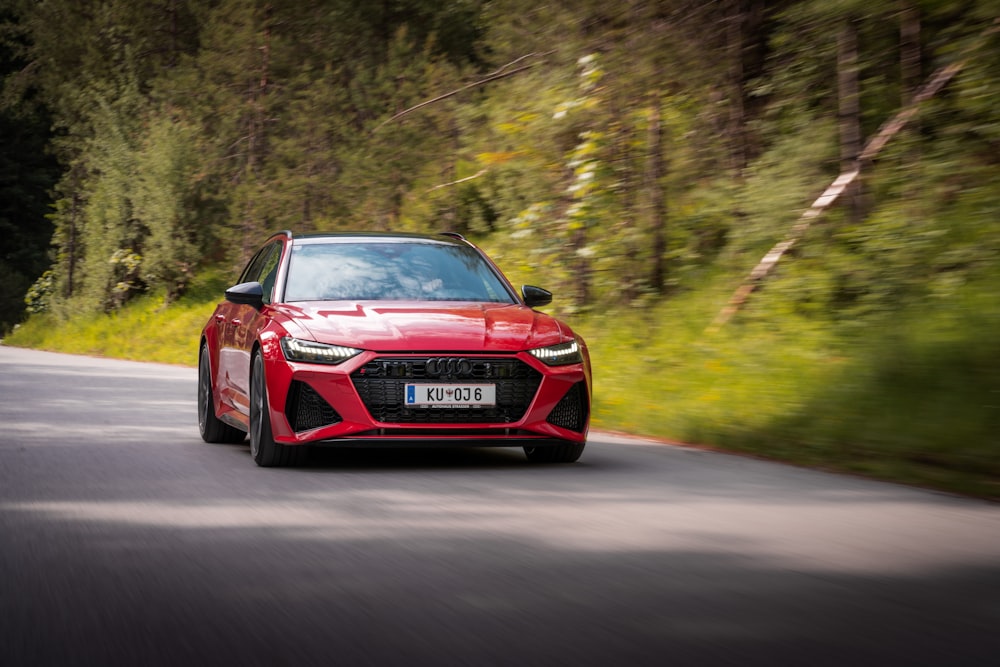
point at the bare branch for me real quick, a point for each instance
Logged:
(501, 73)
(524, 57)
(461, 180)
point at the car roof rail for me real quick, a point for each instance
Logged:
(283, 232)
(454, 235)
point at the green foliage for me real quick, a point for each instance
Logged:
(288, 130)
(39, 295)
(165, 204)
(109, 229)
(783, 182)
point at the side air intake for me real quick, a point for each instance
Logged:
(307, 410)
(571, 412)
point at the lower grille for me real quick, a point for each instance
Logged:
(307, 410)
(381, 384)
(571, 411)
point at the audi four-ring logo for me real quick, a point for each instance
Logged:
(447, 366)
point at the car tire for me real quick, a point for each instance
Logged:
(211, 427)
(265, 451)
(564, 453)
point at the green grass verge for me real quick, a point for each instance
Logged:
(144, 330)
(913, 398)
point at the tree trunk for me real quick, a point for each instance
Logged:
(657, 201)
(72, 249)
(849, 113)
(909, 50)
(737, 108)
(753, 65)
(174, 41)
(630, 251)
(583, 269)
(910, 75)
(256, 134)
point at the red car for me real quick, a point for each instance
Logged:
(398, 339)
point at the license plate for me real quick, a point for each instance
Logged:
(451, 395)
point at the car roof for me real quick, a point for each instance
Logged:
(448, 238)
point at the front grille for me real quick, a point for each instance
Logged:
(571, 411)
(306, 409)
(381, 384)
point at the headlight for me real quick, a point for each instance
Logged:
(315, 353)
(558, 355)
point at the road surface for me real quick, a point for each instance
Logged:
(126, 540)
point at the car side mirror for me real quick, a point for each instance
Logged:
(250, 294)
(535, 296)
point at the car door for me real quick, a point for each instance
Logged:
(237, 330)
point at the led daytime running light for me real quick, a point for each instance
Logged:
(318, 353)
(558, 355)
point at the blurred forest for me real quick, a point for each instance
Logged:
(615, 152)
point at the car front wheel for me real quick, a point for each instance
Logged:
(265, 451)
(211, 427)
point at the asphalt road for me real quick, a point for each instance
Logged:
(126, 540)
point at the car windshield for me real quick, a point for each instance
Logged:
(384, 271)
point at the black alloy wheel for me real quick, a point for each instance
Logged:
(211, 427)
(264, 450)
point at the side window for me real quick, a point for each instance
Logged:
(269, 270)
(263, 268)
(252, 271)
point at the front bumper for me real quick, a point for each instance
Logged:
(360, 401)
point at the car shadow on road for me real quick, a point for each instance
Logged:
(327, 458)
(385, 458)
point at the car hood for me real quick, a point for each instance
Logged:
(398, 327)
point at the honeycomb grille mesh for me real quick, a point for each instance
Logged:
(307, 410)
(571, 411)
(381, 384)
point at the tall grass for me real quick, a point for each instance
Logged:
(147, 329)
(913, 396)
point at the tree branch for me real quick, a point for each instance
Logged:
(501, 73)
(461, 180)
